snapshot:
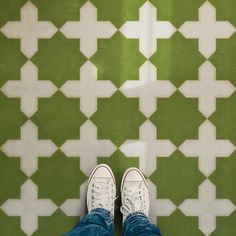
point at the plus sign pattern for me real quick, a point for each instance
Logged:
(138, 83)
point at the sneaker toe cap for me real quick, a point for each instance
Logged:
(102, 172)
(134, 175)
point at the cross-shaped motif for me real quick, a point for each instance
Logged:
(29, 89)
(88, 29)
(88, 147)
(207, 29)
(207, 207)
(29, 29)
(88, 89)
(147, 148)
(147, 29)
(207, 89)
(147, 88)
(207, 148)
(29, 207)
(29, 148)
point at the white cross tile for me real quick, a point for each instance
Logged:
(29, 29)
(29, 89)
(147, 148)
(147, 29)
(88, 29)
(88, 89)
(207, 29)
(207, 207)
(147, 88)
(207, 89)
(88, 147)
(29, 148)
(207, 148)
(29, 207)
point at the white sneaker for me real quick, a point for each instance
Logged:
(134, 193)
(101, 190)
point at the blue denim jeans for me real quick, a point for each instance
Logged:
(99, 222)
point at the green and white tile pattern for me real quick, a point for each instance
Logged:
(128, 83)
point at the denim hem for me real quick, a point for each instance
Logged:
(134, 214)
(99, 210)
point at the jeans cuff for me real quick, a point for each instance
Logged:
(135, 214)
(104, 211)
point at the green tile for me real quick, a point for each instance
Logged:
(59, 118)
(177, 59)
(118, 59)
(59, 59)
(59, 177)
(120, 124)
(172, 172)
(177, 118)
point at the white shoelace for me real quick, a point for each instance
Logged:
(134, 199)
(102, 194)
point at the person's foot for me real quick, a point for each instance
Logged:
(101, 190)
(134, 193)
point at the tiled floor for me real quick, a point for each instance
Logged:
(128, 83)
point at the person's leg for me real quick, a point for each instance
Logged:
(138, 224)
(101, 195)
(98, 222)
(135, 205)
